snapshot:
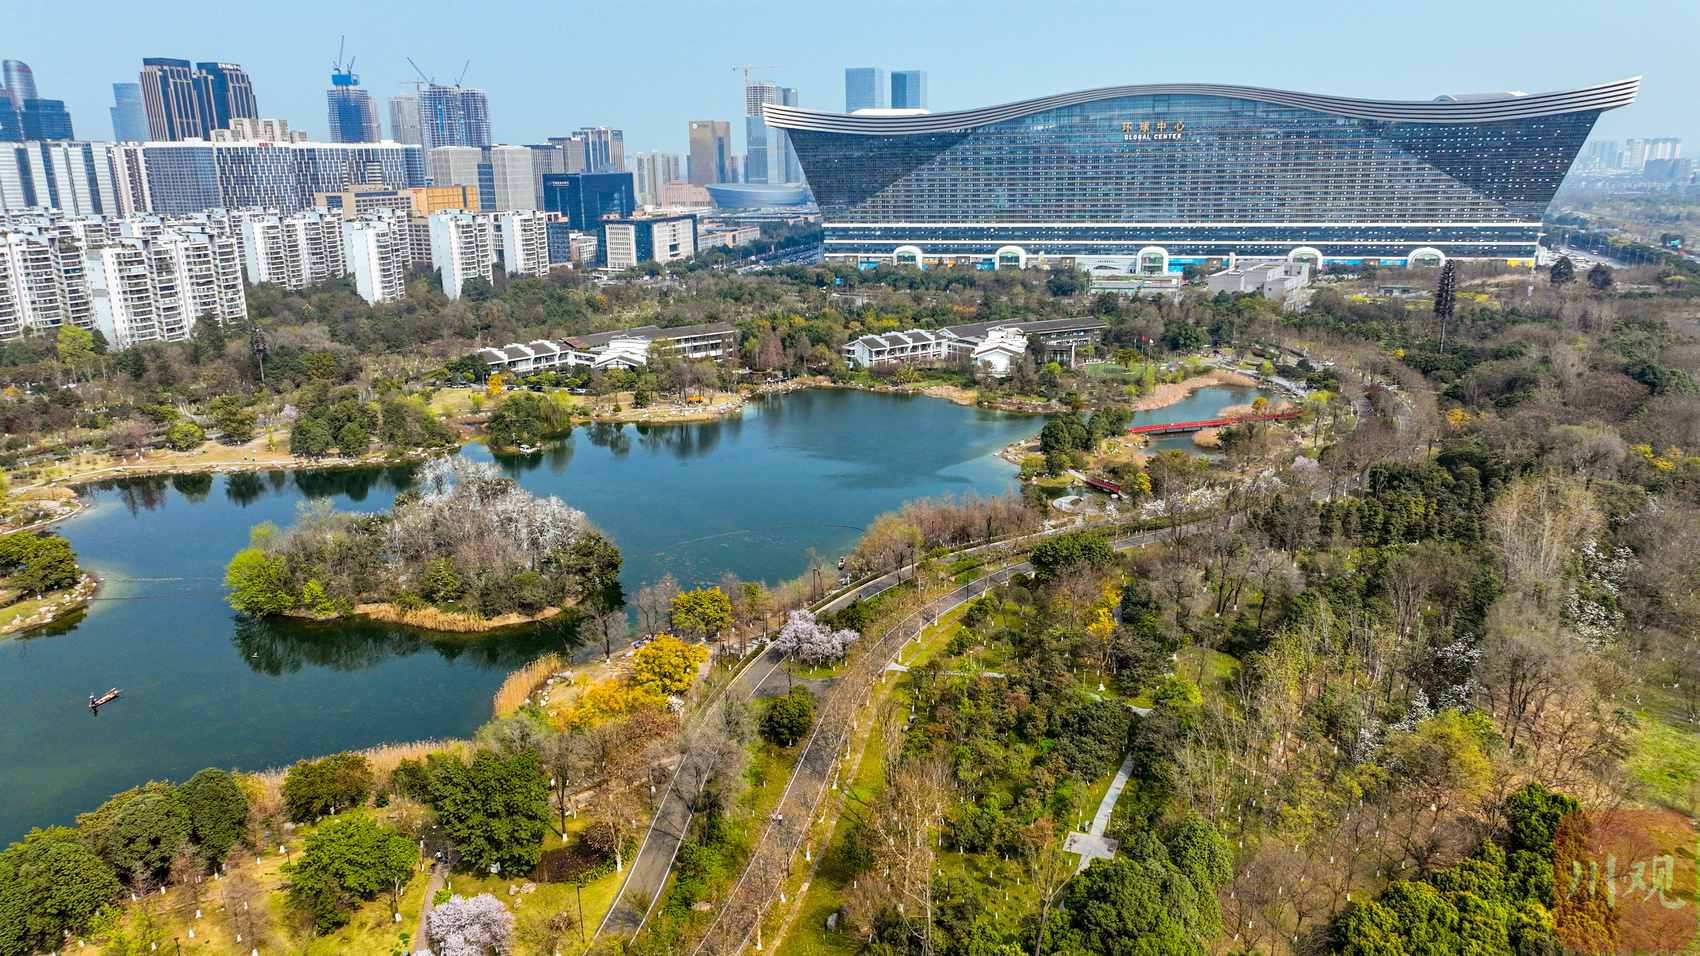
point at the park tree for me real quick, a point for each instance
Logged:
(75, 347)
(217, 809)
(1601, 277)
(146, 834)
(1065, 551)
(703, 612)
(812, 641)
(1562, 271)
(50, 884)
(592, 565)
(37, 562)
(495, 809)
(789, 717)
(185, 436)
(666, 666)
(234, 420)
(315, 788)
(345, 862)
(471, 927)
(258, 584)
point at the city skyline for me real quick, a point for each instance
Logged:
(985, 63)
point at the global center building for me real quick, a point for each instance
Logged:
(1149, 179)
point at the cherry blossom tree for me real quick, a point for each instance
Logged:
(812, 641)
(471, 927)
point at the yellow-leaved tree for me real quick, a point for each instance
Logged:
(603, 700)
(666, 666)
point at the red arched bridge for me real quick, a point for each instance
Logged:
(1176, 428)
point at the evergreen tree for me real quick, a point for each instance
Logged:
(1562, 271)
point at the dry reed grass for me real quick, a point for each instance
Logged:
(1236, 411)
(1227, 377)
(521, 683)
(433, 619)
(384, 759)
(1207, 438)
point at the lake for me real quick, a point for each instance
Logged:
(205, 687)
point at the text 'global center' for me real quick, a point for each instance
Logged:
(1147, 179)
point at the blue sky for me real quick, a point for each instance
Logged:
(651, 67)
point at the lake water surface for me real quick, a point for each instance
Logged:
(205, 687)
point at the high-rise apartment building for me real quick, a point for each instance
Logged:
(377, 252)
(189, 104)
(157, 287)
(352, 112)
(41, 284)
(453, 116)
(651, 170)
(463, 247)
(1634, 154)
(404, 119)
(1670, 148)
(909, 89)
(129, 116)
(294, 251)
(525, 242)
(185, 178)
(711, 152)
(864, 89)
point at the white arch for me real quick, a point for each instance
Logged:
(1139, 260)
(901, 251)
(1020, 256)
(1311, 251)
(1411, 260)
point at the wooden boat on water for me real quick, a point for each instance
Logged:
(106, 698)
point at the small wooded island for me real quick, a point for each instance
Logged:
(465, 550)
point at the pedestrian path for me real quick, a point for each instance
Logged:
(1095, 845)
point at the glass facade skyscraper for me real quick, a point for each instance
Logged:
(352, 113)
(129, 116)
(1148, 178)
(909, 89)
(864, 89)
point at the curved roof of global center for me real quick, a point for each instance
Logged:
(1508, 106)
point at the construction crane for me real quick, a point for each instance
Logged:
(746, 70)
(338, 67)
(428, 81)
(463, 70)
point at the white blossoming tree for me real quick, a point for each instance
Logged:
(478, 926)
(811, 641)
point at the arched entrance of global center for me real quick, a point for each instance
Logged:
(1427, 257)
(1011, 257)
(1152, 261)
(1307, 254)
(906, 256)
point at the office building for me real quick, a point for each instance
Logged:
(129, 116)
(585, 199)
(1147, 179)
(463, 247)
(404, 119)
(524, 239)
(453, 116)
(45, 120)
(864, 89)
(1062, 340)
(711, 150)
(908, 89)
(225, 93)
(604, 149)
(20, 81)
(168, 97)
(294, 251)
(189, 104)
(651, 170)
(23, 115)
(352, 112)
(769, 158)
(626, 242)
(359, 201)
(626, 348)
(504, 176)
(189, 177)
(377, 253)
(245, 130)
(76, 178)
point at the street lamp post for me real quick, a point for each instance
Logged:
(580, 893)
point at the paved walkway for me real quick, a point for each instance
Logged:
(420, 941)
(1095, 845)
